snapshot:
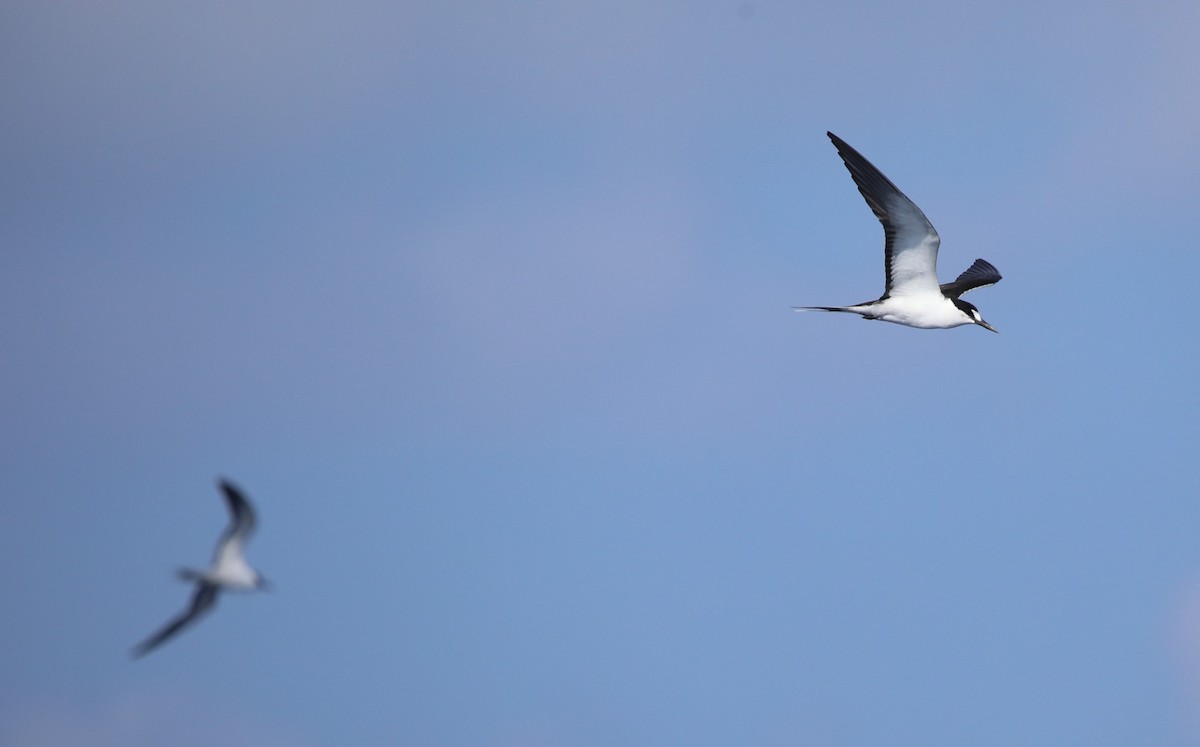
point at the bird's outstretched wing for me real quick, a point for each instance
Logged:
(978, 275)
(910, 241)
(203, 600)
(242, 522)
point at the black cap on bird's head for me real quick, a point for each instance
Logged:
(969, 309)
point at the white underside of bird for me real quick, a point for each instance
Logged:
(231, 573)
(924, 311)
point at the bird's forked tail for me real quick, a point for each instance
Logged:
(824, 308)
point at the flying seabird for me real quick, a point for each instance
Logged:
(228, 571)
(912, 295)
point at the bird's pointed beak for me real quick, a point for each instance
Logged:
(265, 585)
(987, 326)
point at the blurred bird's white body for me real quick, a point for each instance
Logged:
(228, 571)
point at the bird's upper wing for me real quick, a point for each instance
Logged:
(978, 275)
(242, 521)
(203, 600)
(911, 243)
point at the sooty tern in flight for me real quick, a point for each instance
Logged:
(228, 572)
(912, 295)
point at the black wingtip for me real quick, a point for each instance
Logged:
(147, 646)
(229, 488)
(989, 267)
(239, 504)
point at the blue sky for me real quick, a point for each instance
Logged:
(486, 306)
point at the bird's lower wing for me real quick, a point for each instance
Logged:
(202, 601)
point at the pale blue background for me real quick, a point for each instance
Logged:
(486, 305)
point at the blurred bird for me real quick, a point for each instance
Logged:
(912, 295)
(228, 571)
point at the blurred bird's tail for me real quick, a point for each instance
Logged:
(188, 574)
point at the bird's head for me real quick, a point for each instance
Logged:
(973, 314)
